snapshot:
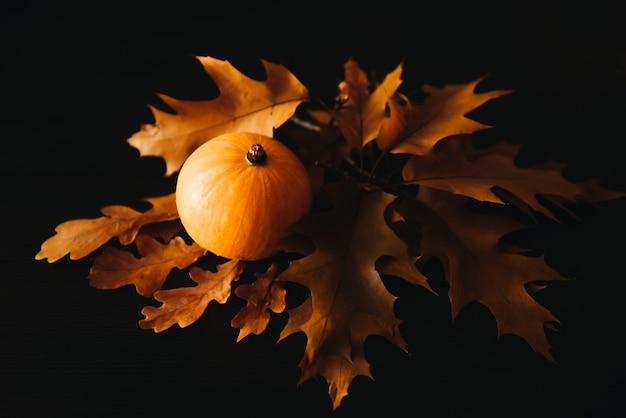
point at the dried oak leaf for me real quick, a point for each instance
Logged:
(413, 128)
(80, 237)
(478, 269)
(263, 295)
(348, 299)
(185, 305)
(114, 268)
(362, 112)
(459, 168)
(244, 104)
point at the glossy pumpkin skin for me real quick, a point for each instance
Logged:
(237, 209)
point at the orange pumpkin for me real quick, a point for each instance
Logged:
(238, 194)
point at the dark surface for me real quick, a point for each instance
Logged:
(75, 82)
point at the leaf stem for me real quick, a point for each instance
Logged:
(375, 166)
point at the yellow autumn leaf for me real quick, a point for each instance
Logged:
(184, 305)
(362, 112)
(244, 104)
(415, 128)
(80, 237)
(114, 268)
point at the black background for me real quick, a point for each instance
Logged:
(75, 82)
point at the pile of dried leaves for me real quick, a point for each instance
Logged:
(396, 182)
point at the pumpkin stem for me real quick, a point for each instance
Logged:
(256, 155)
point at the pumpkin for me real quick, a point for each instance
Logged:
(238, 194)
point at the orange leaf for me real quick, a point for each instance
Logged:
(115, 268)
(415, 129)
(478, 269)
(244, 104)
(185, 305)
(348, 298)
(362, 113)
(263, 295)
(459, 168)
(80, 237)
